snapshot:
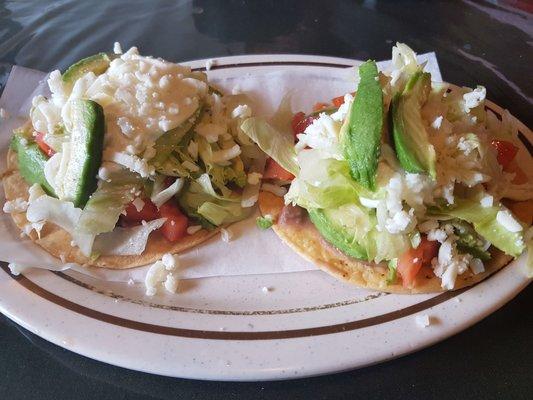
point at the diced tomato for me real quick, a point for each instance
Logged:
(506, 152)
(39, 139)
(520, 176)
(300, 122)
(149, 212)
(274, 171)
(175, 227)
(410, 263)
(338, 101)
(320, 106)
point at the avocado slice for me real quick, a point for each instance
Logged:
(97, 64)
(415, 153)
(361, 132)
(86, 147)
(330, 225)
(31, 160)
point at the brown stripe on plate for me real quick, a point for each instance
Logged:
(229, 335)
(275, 63)
(295, 310)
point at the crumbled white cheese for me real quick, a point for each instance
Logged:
(447, 192)
(241, 111)
(170, 261)
(422, 320)
(438, 235)
(476, 266)
(474, 98)
(254, 178)
(226, 235)
(341, 113)
(466, 146)
(17, 205)
(117, 48)
(437, 122)
(138, 203)
(506, 219)
(3, 113)
(162, 272)
(223, 155)
(399, 221)
(279, 191)
(321, 134)
(209, 64)
(486, 201)
(142, 97)
(210, 131)
(35, 191)
(191, 230)
(133, 163)
(450, 263)
(16, 269)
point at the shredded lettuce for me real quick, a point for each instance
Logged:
(325, 183)
(484, 221)
(126, 241)
(277, 145)
(64, 215)
(161, 196)
(103, 209)
(392, 275)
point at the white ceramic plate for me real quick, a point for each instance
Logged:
(228, 328)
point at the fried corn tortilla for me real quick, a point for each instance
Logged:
(56, 241)
(302, 236)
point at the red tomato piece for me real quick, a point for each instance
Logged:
(274, 171)
(175, 227)
(410, 263)
(338, 101)
(149, 212)
(39, 139)
(320, 106)
(506, 152)
(300, 122)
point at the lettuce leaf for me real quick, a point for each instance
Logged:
(484, 221)
(277, 145)
(103, 209)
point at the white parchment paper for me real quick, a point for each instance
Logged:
(250, 251)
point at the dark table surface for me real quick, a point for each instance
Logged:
(476, 42)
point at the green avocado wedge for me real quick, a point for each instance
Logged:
(411, 141)
(31, 160)
(362, 129)
(97, 64)
(335, 232)
(86, 147)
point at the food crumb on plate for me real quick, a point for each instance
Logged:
(209, 64)
(423, 320)
(162, 273)
(266, 289)
(226, 235)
